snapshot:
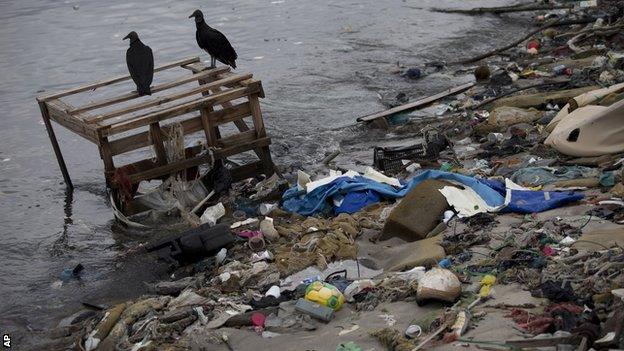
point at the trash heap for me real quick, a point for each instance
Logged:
(499, 228)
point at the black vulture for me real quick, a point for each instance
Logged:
(214, 42)
(140, 62)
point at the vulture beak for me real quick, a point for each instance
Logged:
(126, 37)
(191, 16)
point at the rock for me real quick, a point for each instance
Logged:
(426, 252)
(176, 315)
(413, 73)
(482, 73)
(500, 78)
(418, 213)
(618, 190)
(438, 284)
(173, 288)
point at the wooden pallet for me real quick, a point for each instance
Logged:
(124, 127)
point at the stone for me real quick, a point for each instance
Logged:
(418, 213)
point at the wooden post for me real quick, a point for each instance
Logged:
(57, 150)
(264, 153)
(159, 147)
(212, 133)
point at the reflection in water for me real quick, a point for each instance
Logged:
(61, 244)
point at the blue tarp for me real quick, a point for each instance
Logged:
(530, 201)
(358, 192)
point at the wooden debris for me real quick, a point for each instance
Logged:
(507, 47)
(507, 9)
(532, 100)
(511, 92)
(141, 122)
(418, 103)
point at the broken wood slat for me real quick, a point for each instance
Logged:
(179, 110)
(418, 103)
(110, 81)
(196, 161)
(155, 89)
(56, 109)
(240, 138)
(169, 98)
(189, 126)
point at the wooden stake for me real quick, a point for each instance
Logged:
(507, 47)
(57, 150)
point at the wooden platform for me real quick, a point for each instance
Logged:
(125, 127)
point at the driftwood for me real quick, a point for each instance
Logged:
(506, 9)
(532, 100)
(541, 85)
(507, 47)
(415, 104)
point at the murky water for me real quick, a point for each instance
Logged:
(322, 64)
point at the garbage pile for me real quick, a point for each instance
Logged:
(500, 228)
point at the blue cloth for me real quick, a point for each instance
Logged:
(358, 192)
(318, 200)
(356, 200)
(529, 201)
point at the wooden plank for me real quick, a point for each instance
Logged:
(196, 161)
(263, 154)
(189, 126)
(256, 114)
(249, 170)
(157, 141)
(545, 342)
(110, 81)
(239, 138)
(418, 103)
(209, 129)
(179, 109)
(156, 88)
(168, 98)
(107, 157)
(57, 150)
(234, 113)
(211, 132)
(200, 66)
(58, 113)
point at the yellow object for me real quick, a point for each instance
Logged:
(486, 284)
(324, 294)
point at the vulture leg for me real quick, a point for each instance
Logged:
(213, 62)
